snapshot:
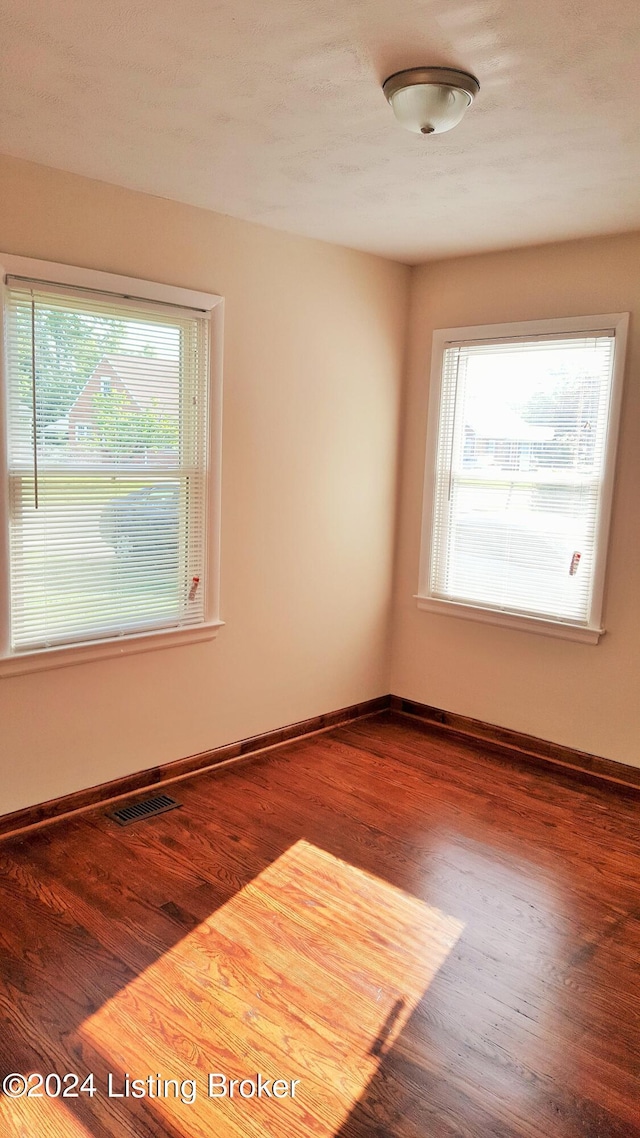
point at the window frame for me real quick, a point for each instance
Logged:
(590, 632)
(83, 651)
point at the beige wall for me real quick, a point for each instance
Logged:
(580, 695)
(313, 355)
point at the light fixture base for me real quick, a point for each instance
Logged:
(438, 76)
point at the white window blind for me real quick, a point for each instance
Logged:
(107, 457)
(519, 472)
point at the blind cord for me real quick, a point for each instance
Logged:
(453, 430)
(34, 405)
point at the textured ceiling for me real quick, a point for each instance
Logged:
(271, 110)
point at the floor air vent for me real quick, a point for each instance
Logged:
(145, 809)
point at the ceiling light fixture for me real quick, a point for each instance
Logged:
(430, 100)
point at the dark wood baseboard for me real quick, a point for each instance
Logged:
(513, 745)
(168, 772)
(523, 748)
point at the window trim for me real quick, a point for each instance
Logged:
(40, 659)
(590, 632)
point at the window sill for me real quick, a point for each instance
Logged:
(535, 624)
(70, 655)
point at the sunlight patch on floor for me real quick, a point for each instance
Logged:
(309, 973)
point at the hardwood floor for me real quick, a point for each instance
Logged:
(418, 939)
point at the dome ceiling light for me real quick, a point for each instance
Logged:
(430, 100)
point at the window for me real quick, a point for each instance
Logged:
(519, 473)
(111, 480)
